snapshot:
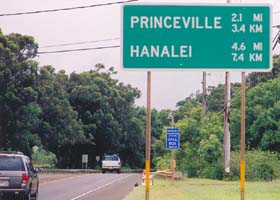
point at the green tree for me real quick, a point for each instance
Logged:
(200, 139)
(59, 128)
(106, 109)
(201, 143)
(258, 77)
(18, 108)
(262, 107)
(215, 99)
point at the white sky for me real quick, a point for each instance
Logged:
(102, 23)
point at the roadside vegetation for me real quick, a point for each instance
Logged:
(67, 115)
(203, 189)
(42, 158)
(201, 151)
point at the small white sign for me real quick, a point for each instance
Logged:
(84, 158)
(97, 158)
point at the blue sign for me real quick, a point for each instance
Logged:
(172, 139)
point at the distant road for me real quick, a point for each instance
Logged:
(86, 186)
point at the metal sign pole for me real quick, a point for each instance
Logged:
(226, 121)
(242, 138)
(172, 153)
(172, 165)
(148, 135)
(172, 162)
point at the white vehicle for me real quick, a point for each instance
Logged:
(111, 163)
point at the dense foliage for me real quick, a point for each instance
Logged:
(201, 152)
(43, 158)
(88, 113)
(260, 165)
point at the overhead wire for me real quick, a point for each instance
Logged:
(276, 39)
(276, 36)
(73, 43)
(87, 42)
(66, 9)
(81, 49)
(78, 43)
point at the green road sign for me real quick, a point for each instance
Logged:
(203, 37)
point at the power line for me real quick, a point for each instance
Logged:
(66, 9)
(276, 36)
(83, 49)
(75, 43)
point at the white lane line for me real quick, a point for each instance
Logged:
(100, 187)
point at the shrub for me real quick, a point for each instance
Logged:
(43, 158)
(162, 162)
(260, 165)
(212, 172)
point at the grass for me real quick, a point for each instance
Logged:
(203, 189)
(42, 166)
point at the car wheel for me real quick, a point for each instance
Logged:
(35, 196)
(28, 196)
(103, 171)
(119, 171)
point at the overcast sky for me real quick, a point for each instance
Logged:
(99, 23)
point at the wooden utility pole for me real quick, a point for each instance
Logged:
(242, 138)
(204, 95)
(148, 136)
(226, 124)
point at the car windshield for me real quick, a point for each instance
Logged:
(112, 158)
(8, 163)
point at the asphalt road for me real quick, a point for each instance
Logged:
(86, 186)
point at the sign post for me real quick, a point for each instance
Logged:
(84, 160)
(97, 158)
(231, 37)
(224, 37)
(242, 138)
(148, 136)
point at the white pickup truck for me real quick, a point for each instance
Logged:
(111, 163)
